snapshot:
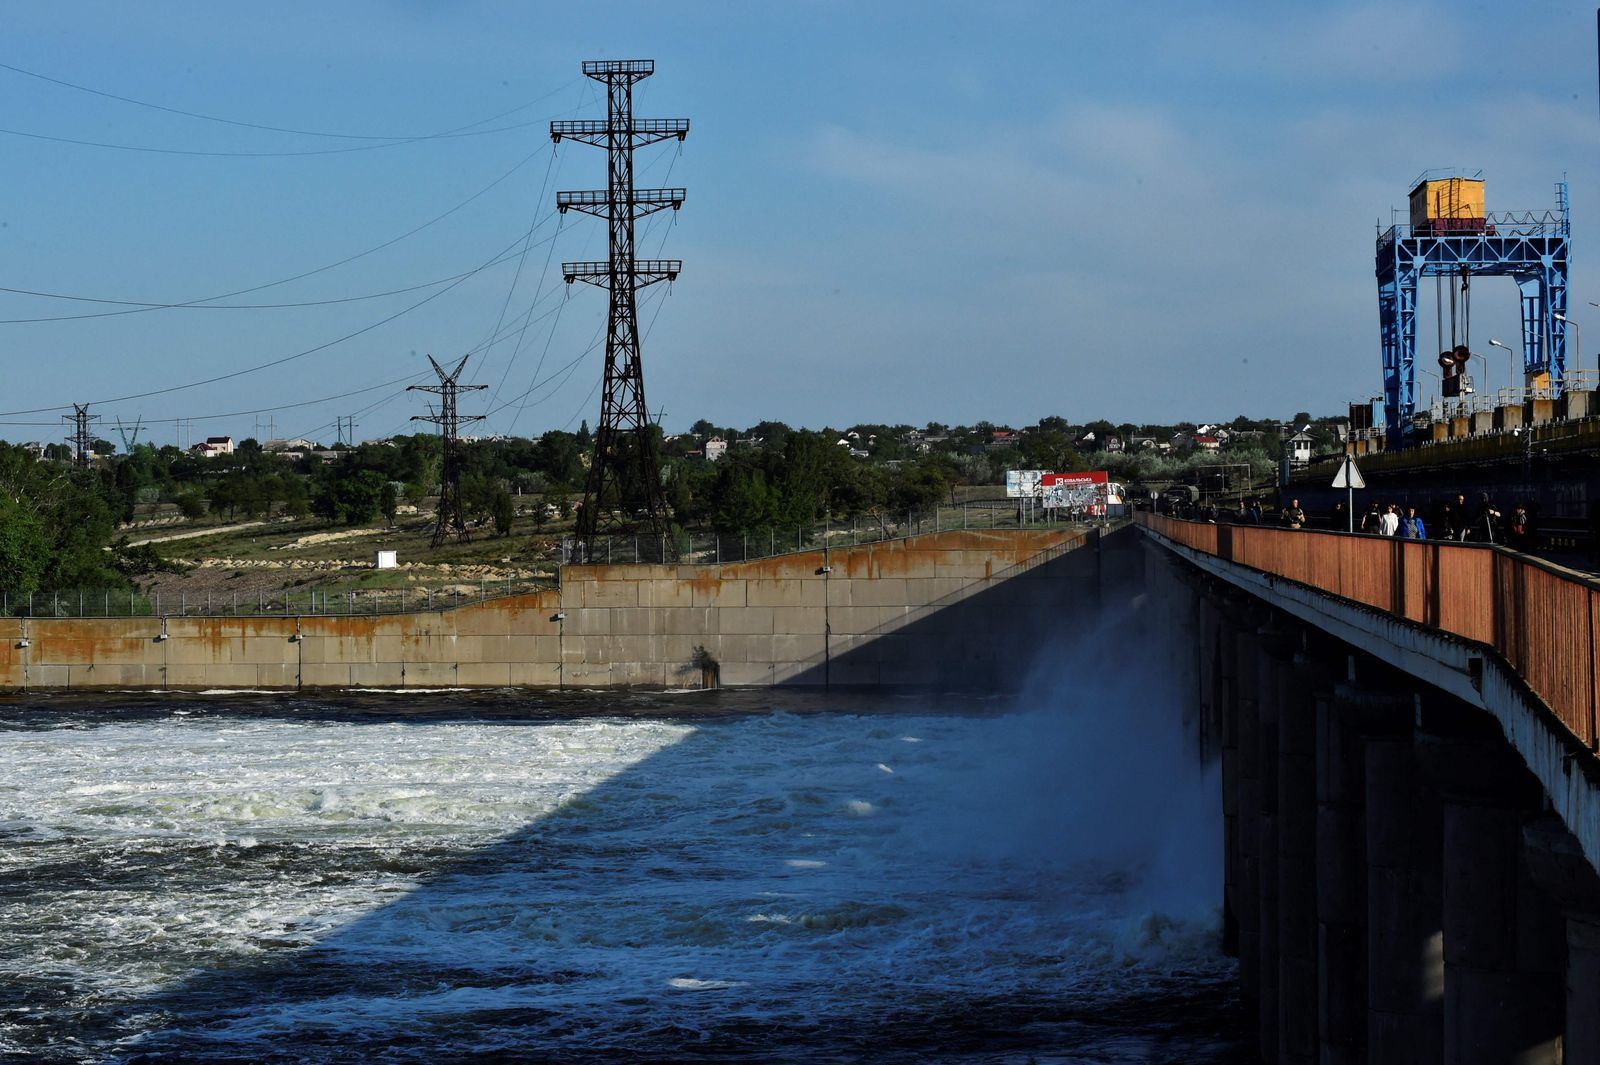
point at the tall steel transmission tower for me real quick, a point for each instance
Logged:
(451, 522)
(623, 493)
(82, 440)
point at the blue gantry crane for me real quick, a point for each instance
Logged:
(1450, 234)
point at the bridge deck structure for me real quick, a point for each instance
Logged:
(1541, 619)
(1410, 788)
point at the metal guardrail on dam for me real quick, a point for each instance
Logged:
(1542, 620)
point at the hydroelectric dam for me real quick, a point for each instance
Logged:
(1172, 791)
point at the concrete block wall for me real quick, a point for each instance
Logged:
(955, 608)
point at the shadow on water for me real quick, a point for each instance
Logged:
(526, 949)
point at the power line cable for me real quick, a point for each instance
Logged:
(138, 307)
(585, 402)
(522, 260)
(287, 358)
(524, 161)
(257, 155)
(258, 410)
(276, 129)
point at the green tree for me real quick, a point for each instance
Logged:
(389, 502)
(352, 500)
(191, 504)
(504, 512)
(24, 548)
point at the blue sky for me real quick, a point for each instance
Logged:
(896, 211)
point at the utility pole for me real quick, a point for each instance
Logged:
(623, 492)
(81, 439)
(450, 522)
(271, 424)
(346, 432)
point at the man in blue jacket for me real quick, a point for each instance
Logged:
(1411, 527)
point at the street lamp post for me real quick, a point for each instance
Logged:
(1577, 336)
(1439, 388)
(1511, 366)
(1485, 360)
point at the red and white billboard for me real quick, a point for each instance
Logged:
(1089, 491)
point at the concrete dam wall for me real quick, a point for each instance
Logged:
(966, 609)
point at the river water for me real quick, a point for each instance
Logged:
(508, 877)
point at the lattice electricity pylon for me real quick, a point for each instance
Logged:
(450, 521)
(623, 492)
(129, 439)
(1530, 247)
(81, 439)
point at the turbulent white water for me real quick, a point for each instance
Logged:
(817, 886)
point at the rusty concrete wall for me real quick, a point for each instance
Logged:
(946, 608)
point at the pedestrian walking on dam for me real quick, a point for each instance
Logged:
(1389, 521)
(1485, 521)
(1456, 518)
(1411, 527)
(1293, 517)
(1518, 531)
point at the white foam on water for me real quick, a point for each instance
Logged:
(597, 869)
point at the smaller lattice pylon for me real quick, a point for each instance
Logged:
(81, 439)
(451, 521)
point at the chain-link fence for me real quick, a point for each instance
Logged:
(82, 603)
(766, 541)
(699, 547)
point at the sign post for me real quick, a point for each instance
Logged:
(1349, 478)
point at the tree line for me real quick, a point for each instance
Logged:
(58, 522)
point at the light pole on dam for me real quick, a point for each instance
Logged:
(1401, 883)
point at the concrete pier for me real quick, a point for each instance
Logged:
(1405, 930)
(1273, 680)
(1297, 862)
(1248, 882)
(1341, 878)
(1504, 942)
(1561, 871)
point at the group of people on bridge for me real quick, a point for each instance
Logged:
(1448, 519)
